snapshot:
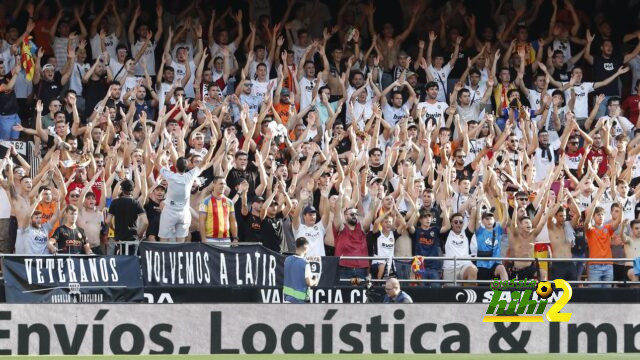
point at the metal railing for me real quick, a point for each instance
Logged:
(474, 258)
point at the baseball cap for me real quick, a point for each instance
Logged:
(284, 91)
(412, 124)
(375, 179)
(48, 67)
(259, 199)
(309, 210)
(138, 127)
(410, 74)
(487, 214)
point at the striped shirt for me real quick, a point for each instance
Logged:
(219, 212)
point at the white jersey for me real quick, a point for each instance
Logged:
(148, 56)
(110, 44)
(254, 66)
(544, 161)
(179, 186)
(117, 70)
(435, 110)
(180, 71)
(260, 88)
(393, 115)
(386, 244)
(306, 90)
(315, 234)
(475, 146)
(620, 125)
(77, 72)
(628, 204)
(581, 108)
(456, 245)
(130, 83)
(440, 76)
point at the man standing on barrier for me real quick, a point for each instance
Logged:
(175, 218)
(297, 274)
(124, 213)
(394, 294)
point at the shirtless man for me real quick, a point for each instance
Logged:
(89, 217)
(561, 244)
(522, 236)
(20, 203)
(632, 248)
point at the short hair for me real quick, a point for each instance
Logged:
(71, 208)
(120, 47)
(613, 98)
(475, 71)
(455, 215)
(302, 31)
(181, 164)
(432, 84)
(301, 242)
(216, 178)
(511, 92)
(634, 222)
(462, 92)
(168, 68)
(240, 153)
(616, 205)
(374, 150)
(70, 137)
(598, 210)
(261, 65)
(36, 213)
(43, 188)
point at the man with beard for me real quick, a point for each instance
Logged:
(350, 238)
(69, 238)
(33, 238)
(90, 217)
(545, 155)
(314, 232)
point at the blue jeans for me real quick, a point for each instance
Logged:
(350, 273)
(432, 275)
(6, 127)
(600, 272)
(403, 268)
(579, 264)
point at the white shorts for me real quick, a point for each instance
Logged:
(458, 272)
(174, 223)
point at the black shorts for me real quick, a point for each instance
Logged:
(487, 273)
(530, 272)
(564, 270)
(620, 273)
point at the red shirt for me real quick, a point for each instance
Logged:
(630, 108)
(599, 153)
(351, 243)
(79, 185)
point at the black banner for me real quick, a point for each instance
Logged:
(359, 294)
(59, 279)
(205, 265)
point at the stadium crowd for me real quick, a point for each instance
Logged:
(415, 128)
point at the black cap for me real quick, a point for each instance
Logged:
(309, 210)
(487, 214)
(258, 199)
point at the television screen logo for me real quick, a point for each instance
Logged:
(521, 304)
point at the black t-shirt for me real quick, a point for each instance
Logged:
(70, 241)
(8, 102)
(94, 91)
(602, 69)
(273, 232)
(152, 209)
(47, 91)
(374, 170)
(236, 176)
(465, 173)
(249, 227)
(125, 211)
(562, 74)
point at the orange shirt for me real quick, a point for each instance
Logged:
(47, 210)
(599, 242)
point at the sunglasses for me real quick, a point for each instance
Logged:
(458, 222)
(513, 141)
(74, 195)
(523, 199)
(352, 214)
(460, 156)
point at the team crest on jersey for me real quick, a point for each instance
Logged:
(315, 262)
(432, 233)
(438, 107)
